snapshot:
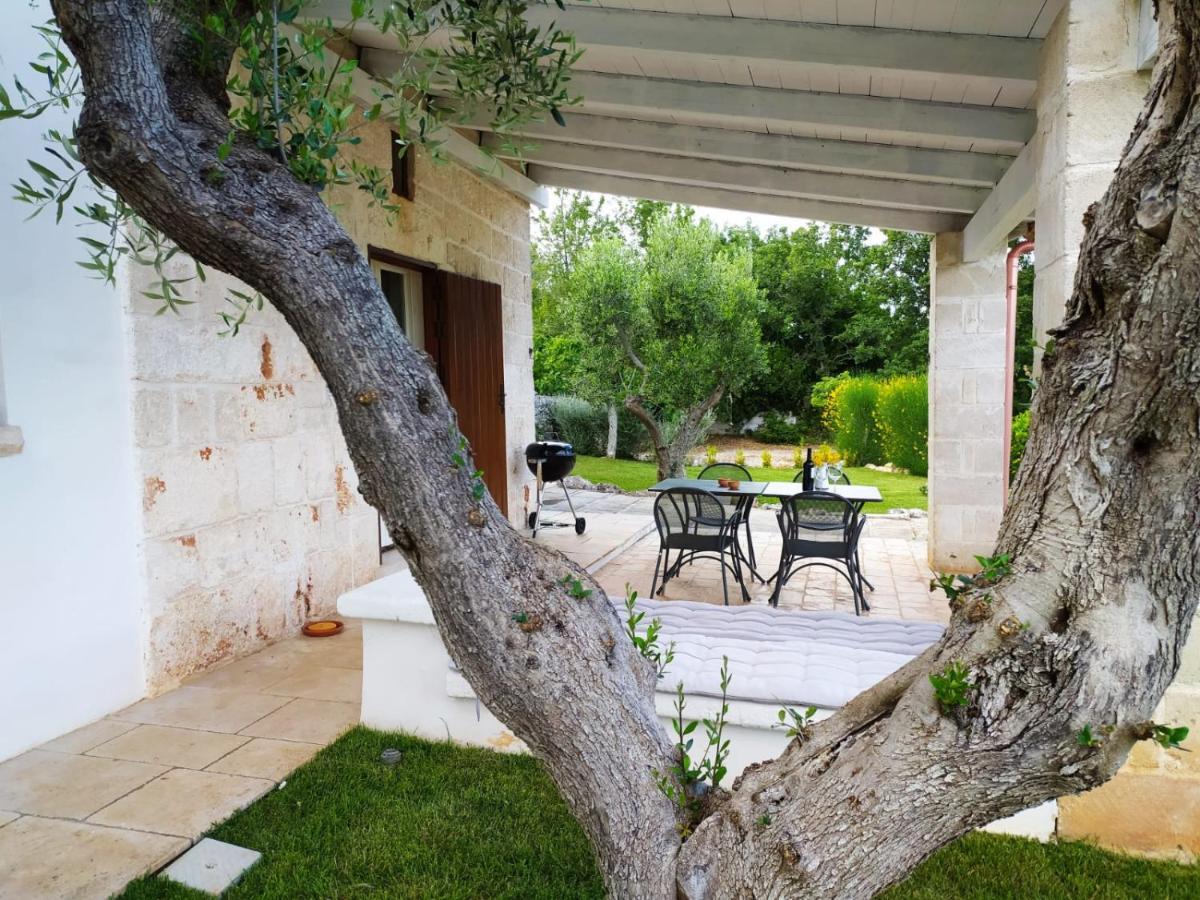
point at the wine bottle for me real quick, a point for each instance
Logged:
(807, 482)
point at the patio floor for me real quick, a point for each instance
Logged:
(82, 815)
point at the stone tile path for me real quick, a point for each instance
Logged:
(85, 813)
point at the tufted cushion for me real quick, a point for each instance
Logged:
(782, 656)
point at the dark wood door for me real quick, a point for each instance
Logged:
(464, 333)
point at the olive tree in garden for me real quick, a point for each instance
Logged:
(670, 330)
(1079, 636)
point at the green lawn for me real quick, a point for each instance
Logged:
(899, 491)
(451, 822)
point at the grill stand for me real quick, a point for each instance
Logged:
(535, 517)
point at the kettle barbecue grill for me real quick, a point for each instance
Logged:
(551, 461)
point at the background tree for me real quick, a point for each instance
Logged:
(1083, 628)
(672, 331)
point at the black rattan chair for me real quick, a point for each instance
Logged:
(837, 476)
(820, 529)
(741, 505)
(695, 524)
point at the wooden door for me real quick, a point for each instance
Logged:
(464, 333)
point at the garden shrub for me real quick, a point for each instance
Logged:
(584, 425)
(821, 391)
(776, 429)
(1020, 436)
(902, 419)
(850, 417)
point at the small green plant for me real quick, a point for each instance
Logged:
(710, 454)
(740, 457)
(763, 821)
(797, 457)
(1169, 737)
(575, 587)
(993, 568)
(797, 723)
(520, 618)
(951, 686)
(1085, 738)
(647, 644)
(459, 460)
(684, 784)
(766, 459)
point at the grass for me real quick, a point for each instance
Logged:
(899, 491)
(452, 822)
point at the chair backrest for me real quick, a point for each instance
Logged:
(817, 516)
(685, 510)
(713, 471)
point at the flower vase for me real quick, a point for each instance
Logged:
(821, 478)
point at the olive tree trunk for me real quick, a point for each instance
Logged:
(610, 446)
(670, 454)
(1103, 528)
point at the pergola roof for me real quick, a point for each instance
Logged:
(895, 113)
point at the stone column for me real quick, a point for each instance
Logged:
(1089, 97)
(966, 403)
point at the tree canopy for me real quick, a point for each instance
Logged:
(667, 329)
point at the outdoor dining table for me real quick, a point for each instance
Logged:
(749, 491)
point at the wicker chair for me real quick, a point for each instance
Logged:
(820, 529)
(742, 505)
(695, 525)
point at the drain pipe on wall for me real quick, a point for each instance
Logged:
(1012, 266)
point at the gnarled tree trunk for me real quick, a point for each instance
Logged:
(1103, 527)
(670, 456)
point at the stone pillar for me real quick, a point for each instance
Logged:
(1089, 97)
(966, 403)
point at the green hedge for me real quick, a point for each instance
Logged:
(850, 416)
(902, 420)
(776, 429)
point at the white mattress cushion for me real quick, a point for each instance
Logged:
(789, 657)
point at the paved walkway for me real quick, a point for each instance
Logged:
(84, 814)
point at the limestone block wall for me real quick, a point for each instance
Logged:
(966, 404)
(250, 516)
(1089, 96)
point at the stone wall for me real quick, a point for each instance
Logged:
(250, 513)
(1090, 94)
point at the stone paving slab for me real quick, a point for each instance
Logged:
(183, 802)
(165, 746)
(204, 709)
(45, 783)
(307, 721)
(56, 858)
(212, 866)
(84, 739)
(265, 758)
(6, 817)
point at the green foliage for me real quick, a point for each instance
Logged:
(1085, 738)
(293, 98)
(584, 425)
(776, 429)
(951, 686)
(575, 588)
(647, 644)
(1020, 437)
(1169, 737)
(992, 568)
(668, 325)
(766, 459)
(850, 416)
(902, 420)
(739, 456)
(710, 455)
(795, 722)
(683, 784)
(819, 396)
(556, 364)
